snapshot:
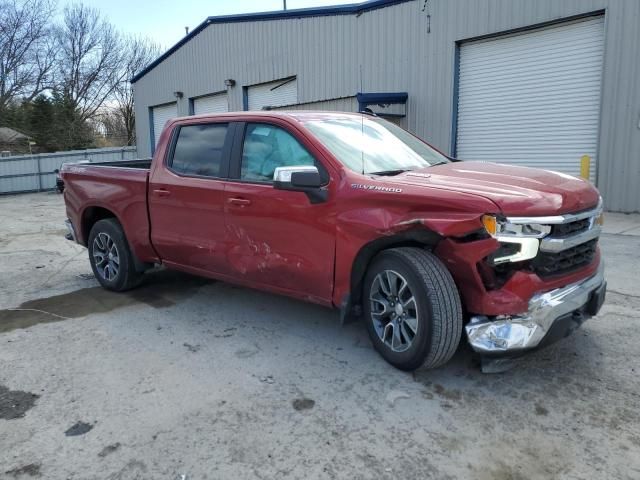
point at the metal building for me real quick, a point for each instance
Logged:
(539, 83)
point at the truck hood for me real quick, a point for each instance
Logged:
(517, 191)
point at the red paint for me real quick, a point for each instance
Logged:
(276, 240)
(513, 298)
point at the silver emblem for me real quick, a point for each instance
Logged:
(376, 188)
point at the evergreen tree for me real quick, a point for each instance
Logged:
(71, 131)
(41, 117)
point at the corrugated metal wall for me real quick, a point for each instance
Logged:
(32, 173)
(345, 104)
(398, 48)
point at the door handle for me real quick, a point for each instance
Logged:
(161, 192)
(241, 202)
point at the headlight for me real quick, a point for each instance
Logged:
(500, 227)
(490, 224)
(599, 219)
(521, 239)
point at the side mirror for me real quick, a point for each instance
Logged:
(56, 171)
(303, 178)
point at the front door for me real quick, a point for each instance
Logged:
(186, 198)
(277, 238)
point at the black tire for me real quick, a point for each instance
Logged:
(438, 310)
(127, 276)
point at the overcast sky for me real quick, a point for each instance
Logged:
(164, 20)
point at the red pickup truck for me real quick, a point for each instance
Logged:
(351, 211)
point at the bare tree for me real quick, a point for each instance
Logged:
(138, 53)
(89, 61)
(26, 49)
(108, 129)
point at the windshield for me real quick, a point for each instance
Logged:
(373, 146)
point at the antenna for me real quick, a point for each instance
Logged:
(362, 120)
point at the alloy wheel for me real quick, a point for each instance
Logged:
(394, 310)
(106, 257)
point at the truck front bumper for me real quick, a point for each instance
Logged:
(551, 316)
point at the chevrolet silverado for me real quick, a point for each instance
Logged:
(352, 212)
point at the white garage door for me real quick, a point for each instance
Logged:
(211, 104)
(273, 94)
(534, 98)
(161, 115)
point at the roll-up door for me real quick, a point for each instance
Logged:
(273, 94)
(532, 98)
(161, 115)
(217, 103)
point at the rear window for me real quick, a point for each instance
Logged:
(198, 149)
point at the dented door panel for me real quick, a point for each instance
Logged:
(279, 239)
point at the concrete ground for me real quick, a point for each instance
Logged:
(190, 378)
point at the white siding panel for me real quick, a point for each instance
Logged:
(273, 94)
(534, 98)
(218, 103)
(161, 115)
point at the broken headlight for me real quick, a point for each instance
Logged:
(519, 241)
(500, 226)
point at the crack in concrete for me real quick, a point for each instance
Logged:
(630, 295)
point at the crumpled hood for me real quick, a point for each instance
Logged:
(517, 191)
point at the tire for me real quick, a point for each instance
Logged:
(106, 237)
(429, 327)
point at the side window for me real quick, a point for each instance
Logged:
(198, 149)
(267, 147)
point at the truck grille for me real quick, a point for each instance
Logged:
(568, 229)
(546, 264)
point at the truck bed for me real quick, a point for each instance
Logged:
(119, 186)
(138, 163)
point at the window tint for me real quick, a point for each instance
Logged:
(198, 149)
(267, 147)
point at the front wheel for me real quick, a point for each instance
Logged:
(110, 256)
(412, 308)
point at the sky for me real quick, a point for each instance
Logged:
(163, 20)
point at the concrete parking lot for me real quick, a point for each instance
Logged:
(190, 378)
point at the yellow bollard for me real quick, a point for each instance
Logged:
(585, 166)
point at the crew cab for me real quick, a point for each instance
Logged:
(352, 212)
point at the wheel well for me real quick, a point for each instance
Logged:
(421, 238)
(90, 217)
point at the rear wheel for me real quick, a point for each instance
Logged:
(110, 256)
(412, 308)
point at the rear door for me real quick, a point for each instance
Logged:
(186, 195)
(277, 239)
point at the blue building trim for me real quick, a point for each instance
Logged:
(454, 107)
(366, 99)
(245, 98)
(351, 9)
